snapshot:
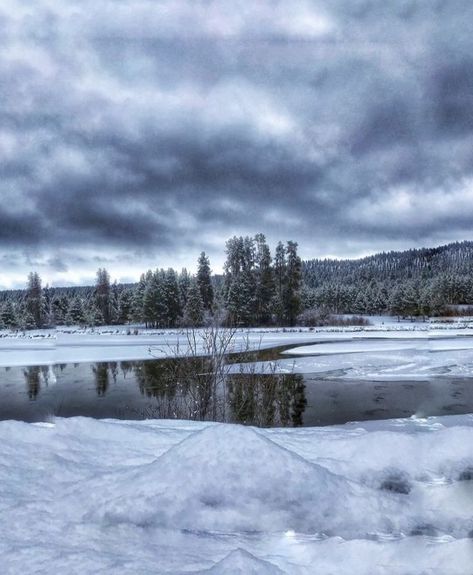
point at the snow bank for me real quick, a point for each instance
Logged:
(240, 562)
(229, 479)
(87, 496)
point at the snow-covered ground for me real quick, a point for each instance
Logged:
(167, 497)
(78, 345)
(383, 359)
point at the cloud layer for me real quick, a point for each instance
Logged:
(137, 132)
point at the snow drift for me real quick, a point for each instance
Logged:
(86, 496)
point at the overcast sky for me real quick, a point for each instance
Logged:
(136, 133)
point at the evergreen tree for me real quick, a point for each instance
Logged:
(94, 316)
(204, 281)
(240, 281)
(103, 295)
(114, 303)
(137, 312)
(76, 315)
(396, 302)
(8, 314)
(264, 290)
(173, 303)
(194, 310)
(34, 302)
(27, 320)
(279, 277)
(161, 309)
(184, 282)
(292, 284)
(125, 304)
(233, 270)
(59, 309)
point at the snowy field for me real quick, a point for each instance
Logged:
(81, 496)
(120, 343)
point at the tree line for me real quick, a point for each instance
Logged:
(255, 289)
(258, 288)
(421, 282)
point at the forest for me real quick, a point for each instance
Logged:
(258, 288)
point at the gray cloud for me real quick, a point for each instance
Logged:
(154, 130)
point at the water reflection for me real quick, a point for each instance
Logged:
(276, 400)
(193, 389)
(35, 377)
(101, 374)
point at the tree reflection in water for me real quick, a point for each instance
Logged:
(35, 377)
(267, 400)
(187, 389)
(101, 374)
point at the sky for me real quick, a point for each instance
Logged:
(136, 133)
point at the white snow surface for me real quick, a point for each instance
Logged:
(126, 343)
(82, 496)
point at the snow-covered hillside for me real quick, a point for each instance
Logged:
(86, 496)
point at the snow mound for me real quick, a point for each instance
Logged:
(230, 478)
(240, 562)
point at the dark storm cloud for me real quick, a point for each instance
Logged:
(162, 128)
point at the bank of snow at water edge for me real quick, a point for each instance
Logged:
(86, 496)
(74, 344)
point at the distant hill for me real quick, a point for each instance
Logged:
(425, 263)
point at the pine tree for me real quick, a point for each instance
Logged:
(396, 302)
(149, 300)
(292, 284)
(8, 314)
(125, 303)
(161, 311)
(34, 302)
(76, 315)
(59, 309)
(279, 278)
(137, 313)
(184, 282)
(194, 310)
(204, 281)
(173, 304)
(240, 281)
(103, 295)
(27, 320)
(264, 291)
(114, 303)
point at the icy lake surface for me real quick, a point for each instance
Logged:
(313, 377)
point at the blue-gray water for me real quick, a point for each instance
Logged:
(155, 389)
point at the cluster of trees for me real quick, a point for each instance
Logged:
(411, 283)
(260, 290)
(257, 288)
(403, 298)
(164, 298)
